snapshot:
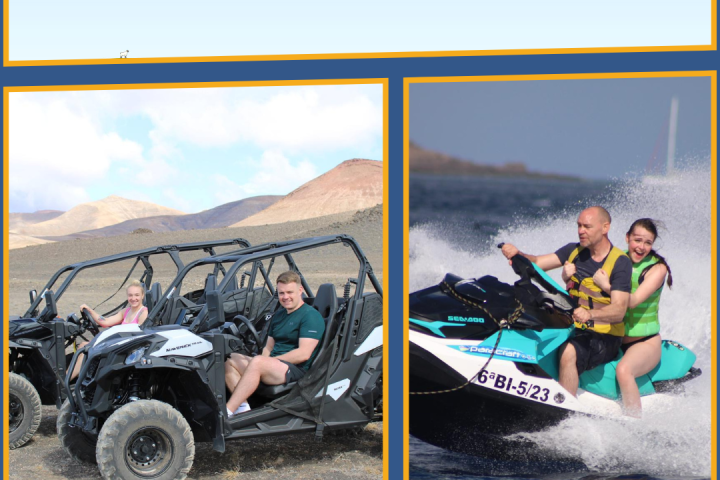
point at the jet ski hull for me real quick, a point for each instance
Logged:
(501, 343)
(507, 398)
(473, 419)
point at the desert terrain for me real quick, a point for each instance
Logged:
(114, 225)
(357, 456)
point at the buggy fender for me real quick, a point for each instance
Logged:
(374, 340)
(17, 345)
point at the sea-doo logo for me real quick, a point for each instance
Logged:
(466, 319)
(182, 346)
(501, 352)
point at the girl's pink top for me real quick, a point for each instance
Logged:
(134, 320)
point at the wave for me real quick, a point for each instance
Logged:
(674, 436)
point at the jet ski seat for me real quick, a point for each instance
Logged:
(326, 303)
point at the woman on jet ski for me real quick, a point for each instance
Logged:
(136, 313)
(641, 345)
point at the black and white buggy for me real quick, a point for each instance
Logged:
(39, 339)
(146, 394)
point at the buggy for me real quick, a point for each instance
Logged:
(39, 339)
(146, 394)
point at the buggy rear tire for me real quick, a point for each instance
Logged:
(25, 411)
(145, 439)
(78, 444)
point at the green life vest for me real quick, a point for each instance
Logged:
(642, 320)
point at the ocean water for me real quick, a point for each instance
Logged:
(455, 225)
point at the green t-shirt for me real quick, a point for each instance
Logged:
(287, 330)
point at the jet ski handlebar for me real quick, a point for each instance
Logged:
(522, 266)
(528, 271)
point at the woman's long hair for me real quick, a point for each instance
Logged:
(651, 226)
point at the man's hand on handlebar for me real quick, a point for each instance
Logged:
(509, 251)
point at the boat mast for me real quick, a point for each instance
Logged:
(672, 132)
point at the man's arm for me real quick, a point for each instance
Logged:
(302, 353)
(613, 313)
(546, 262)
(269, 345)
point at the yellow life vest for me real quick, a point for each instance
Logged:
(592, 297)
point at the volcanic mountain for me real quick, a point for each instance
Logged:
(351, 186)
(101, 213)
(20, 220)
(19, 241)
(218, 217)
(431, 162)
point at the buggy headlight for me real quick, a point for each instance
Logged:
(135, 355)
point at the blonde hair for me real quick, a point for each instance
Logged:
(136, 283)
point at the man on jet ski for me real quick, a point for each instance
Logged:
(599, 319)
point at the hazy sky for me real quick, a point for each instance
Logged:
(43, 29)
(189, 149)
(590, 128)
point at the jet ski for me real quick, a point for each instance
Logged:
(484, 364)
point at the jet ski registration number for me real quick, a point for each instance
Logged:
(522, 388)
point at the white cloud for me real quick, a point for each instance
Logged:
(226, 190)
(313, 118)
(306, 121)
(136, 195)
(178, 202)
(63, 142)
(55, 153)
(275, 175)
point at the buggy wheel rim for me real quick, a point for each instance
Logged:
(17, 412)
(149, 452)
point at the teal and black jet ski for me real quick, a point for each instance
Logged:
(484, 363)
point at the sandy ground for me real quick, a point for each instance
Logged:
(357, 456)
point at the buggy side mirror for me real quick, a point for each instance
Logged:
(216, 310)
(33, 296)
(50, 304)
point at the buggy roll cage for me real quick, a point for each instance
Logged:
(256, 255)
(210, 316)
(141, 255)
(202, 321)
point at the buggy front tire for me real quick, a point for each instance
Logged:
(25, 411)
(145, 439)
(78, 444)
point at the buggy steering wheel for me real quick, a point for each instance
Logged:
(251, 329)
(90, 321)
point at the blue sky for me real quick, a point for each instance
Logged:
(189, 149)
(592, 128)
(50, 30)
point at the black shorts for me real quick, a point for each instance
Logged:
(593, 349)
(625, 346)
(294, 373)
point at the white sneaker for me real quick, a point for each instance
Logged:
(244, 407)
